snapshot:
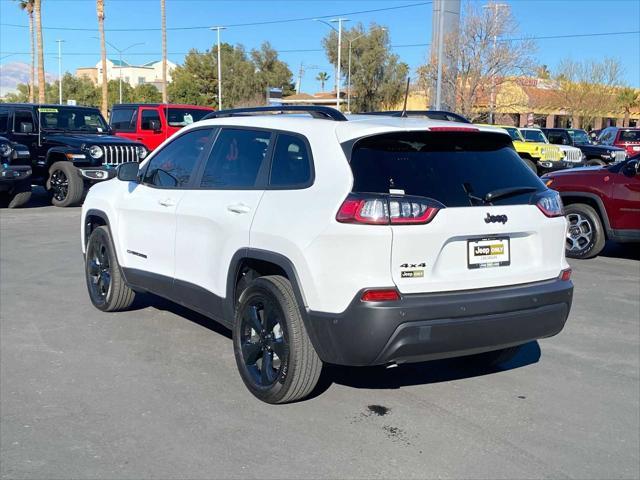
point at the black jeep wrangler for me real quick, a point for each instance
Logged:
(15, 174)
(71, 147)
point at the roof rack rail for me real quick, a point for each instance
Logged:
(432, 114)
(326, 113)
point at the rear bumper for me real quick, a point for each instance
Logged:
(440, 325)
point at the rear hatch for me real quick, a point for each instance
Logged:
(474, 239)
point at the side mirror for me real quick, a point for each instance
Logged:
(155, 125)
(632, 168)
(128, 172)
(26, 127)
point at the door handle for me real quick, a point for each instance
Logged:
(167, 202)
(239, 208)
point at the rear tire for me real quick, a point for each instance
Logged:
(495, 358)
(20, 195)
(585, 235)
(274, 354)
(65, 185)
(107, 289)
(531, 165)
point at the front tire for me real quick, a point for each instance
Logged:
(274, 354)
(531, 165)
(65, 185)
(107, 289)
(595, 163)
(585, 235)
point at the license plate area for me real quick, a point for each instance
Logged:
(488, 252)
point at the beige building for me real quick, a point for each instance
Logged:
(150, 72)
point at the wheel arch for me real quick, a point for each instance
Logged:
(93, 219)
(593, 201)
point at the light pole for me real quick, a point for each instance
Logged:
(496, 11)
(440, 51)
(60, 42)
(219, 68)
(383, 29)
(120, 52)
(339, 21)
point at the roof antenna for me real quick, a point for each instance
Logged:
(406, 95)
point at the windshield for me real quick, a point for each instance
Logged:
(534, 136)
(629, 136)
(181, 117)
(453, 168)
(579, 137)
(72, 119)
(514, 133)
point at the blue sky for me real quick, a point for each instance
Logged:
(407, 26)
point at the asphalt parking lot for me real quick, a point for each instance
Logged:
(154, 392)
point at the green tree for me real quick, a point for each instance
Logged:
(377, 75)
(322, 78)
(82, 90)
(270, 71)
(543, 72)
(627, 98)
(146, 93)
(21, 95)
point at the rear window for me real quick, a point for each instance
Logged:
(629, 136)
(181, 117)
(452, 168)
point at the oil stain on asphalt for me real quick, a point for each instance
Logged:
(394, 434)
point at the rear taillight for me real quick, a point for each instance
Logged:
(380, 295)
(387, 209)
(565, 275)
(549, 203)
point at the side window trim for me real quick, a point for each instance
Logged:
(263, 173)
(199, 161)
(312, 170)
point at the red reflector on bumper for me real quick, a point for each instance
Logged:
(565, 275)
(386, 295)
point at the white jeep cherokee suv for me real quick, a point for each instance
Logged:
(320, 238)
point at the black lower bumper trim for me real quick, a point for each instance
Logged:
(440, 325)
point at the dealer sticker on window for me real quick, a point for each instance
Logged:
(488, 252)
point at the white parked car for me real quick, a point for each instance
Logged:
(317, 238)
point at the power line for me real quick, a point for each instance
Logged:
(234, 25)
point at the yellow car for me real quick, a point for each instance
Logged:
(538, 156)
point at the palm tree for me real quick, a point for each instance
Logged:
(627, 98)
(163, 16)
(27, 6)
(37, 4)
(322, 77)
(103, 55)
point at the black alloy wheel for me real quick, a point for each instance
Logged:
(59, 185)
(263, 340)
(98, 271)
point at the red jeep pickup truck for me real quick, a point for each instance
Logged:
(152, 124)
(600, 203)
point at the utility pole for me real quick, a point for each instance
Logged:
(300, 73)
(120, 52)
(339, 21)
(59, 42)
(440, 52)
(496, 11)
(219, 67)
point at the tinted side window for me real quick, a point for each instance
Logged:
(22, 117)
(4, 120)
(291, 163)
(121, 119)
(147, 116)
(236, 159)
(173, 166)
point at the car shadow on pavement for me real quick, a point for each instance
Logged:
(144, 300)
(624, 251)
(420, 373)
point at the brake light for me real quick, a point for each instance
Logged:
(565, 275)
(453, 129)
(550, 203)
(380, 295)
(385, 210)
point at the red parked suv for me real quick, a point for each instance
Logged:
(627, 138)
(600, 203)
(152, 124)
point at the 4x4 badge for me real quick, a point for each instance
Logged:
(495, 218)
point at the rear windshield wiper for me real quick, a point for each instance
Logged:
(507, 192)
